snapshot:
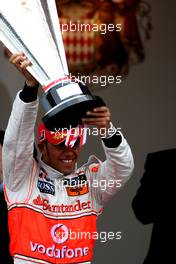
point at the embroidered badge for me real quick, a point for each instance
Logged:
(46, 187)
(77, 185)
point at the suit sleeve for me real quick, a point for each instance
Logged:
(143, 203)
(114, 172)
(19, 143)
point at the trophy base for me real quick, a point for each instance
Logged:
(64, 109)
(70, 114)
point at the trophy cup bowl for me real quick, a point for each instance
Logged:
(32, 27)
(66, 103)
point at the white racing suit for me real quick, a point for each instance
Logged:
(52, 217)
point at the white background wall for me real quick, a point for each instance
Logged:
(144, 106)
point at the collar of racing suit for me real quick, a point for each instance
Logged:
(55, 174)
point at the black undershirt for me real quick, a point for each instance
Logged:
(29, 94)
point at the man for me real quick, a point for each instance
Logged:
(154, 204)
(51, 203)
(5, 256)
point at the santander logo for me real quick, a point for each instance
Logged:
(61, 208)
(59, 233)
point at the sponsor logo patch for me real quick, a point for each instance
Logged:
(46, 187)
(44, 175)
(74, 191)
(77, 185)
(59, 233)
(76, 181)
(61, 208)
(95, 168)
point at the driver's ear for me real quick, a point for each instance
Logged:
(43, 149)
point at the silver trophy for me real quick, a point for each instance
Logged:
(32, 27)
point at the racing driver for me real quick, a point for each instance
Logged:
(50, 200)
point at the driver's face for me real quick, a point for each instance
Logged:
(60, 157)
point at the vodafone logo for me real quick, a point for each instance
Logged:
(59, 233)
